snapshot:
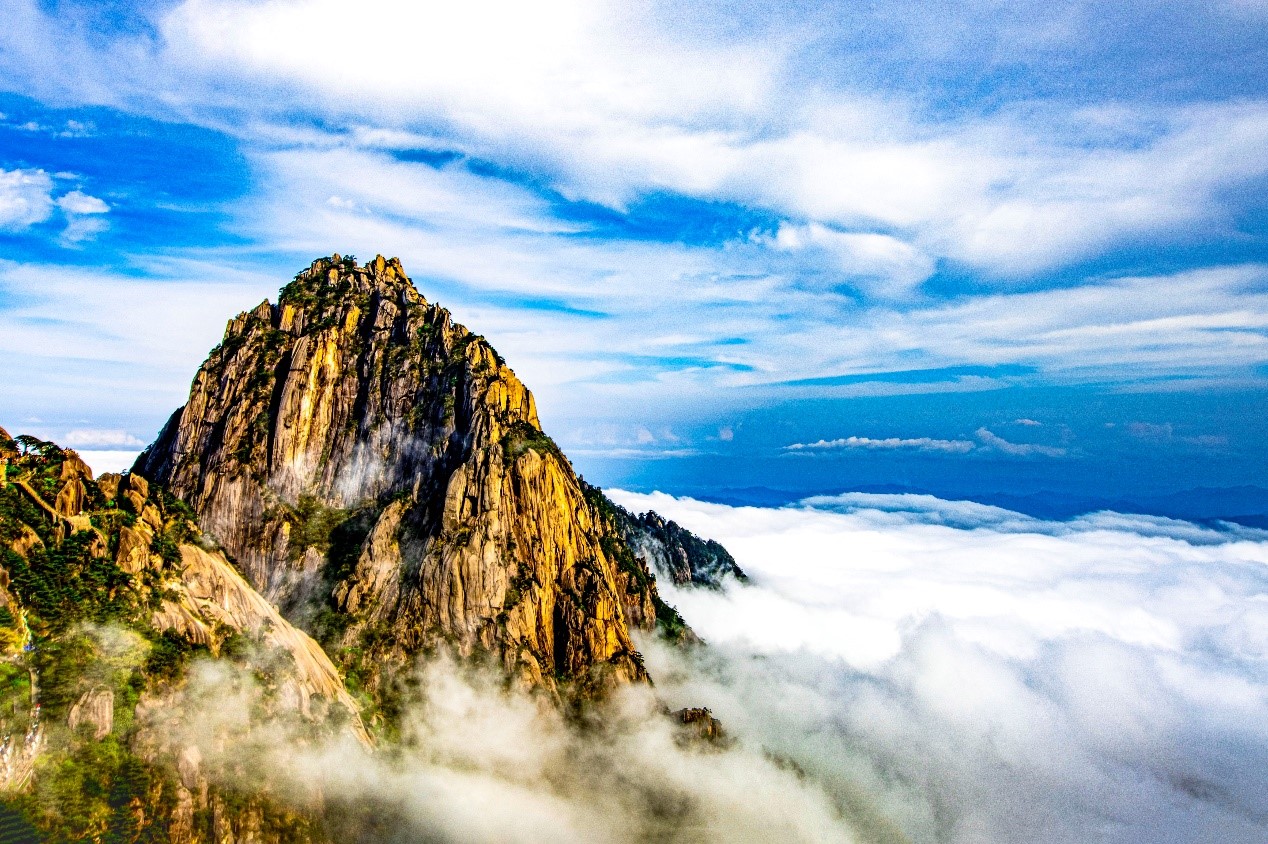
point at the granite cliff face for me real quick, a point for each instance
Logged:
(379, 472)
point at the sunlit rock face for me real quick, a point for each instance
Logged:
(378, 472)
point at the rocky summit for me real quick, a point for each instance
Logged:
(380, 473)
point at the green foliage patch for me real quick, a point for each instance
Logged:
(522, 437)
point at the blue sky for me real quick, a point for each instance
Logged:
(972, 248)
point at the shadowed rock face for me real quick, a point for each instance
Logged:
(377, 471)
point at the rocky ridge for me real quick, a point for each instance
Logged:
(108, 590)
(351, 465)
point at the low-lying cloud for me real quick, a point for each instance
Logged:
(986, 441)
(989, 677)
(479, 763)
(920, 443)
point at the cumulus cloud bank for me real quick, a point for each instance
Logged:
(922, 443)
(987, 441)
(987, 676)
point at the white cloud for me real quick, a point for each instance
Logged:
(987, 441)
(94, 337)
(998, 443)
(612, 103)
(482, 763)
(883, 266)
(98, 439)
(78, 202)
(920, 443)
(108, 460)
(25, 198)
(987, 676)
(656, 106)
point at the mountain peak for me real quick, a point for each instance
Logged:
(379, 472)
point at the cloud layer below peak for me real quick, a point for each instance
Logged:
(995, 677)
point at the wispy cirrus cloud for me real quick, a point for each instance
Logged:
(637, 203)
(993, 441)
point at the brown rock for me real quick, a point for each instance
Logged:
(71, 497)
(211, 594)
(73, 467)
(699, 725)
(96, 708)
(133, 554)
(26, 540)
(108, 483)
(138, 484)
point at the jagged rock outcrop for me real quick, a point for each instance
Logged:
(700, 726)
(380, 473)
(674, 552)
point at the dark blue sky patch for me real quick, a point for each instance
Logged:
(669, 218)
(533, 303)
(662, 217)
(112, 17)
(431, 157)
(1118, 444)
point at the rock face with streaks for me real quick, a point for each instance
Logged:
(379, 472)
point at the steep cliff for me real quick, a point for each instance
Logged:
(108, 594)
(381, 474)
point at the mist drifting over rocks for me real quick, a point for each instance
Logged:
(986, 676)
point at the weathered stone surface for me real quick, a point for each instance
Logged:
(699, 725)
(212, 594)
(70, 498)
(95, 708)
(25, 541)
(108, 483)
(133, 554)
(165, 562)
(356, 403)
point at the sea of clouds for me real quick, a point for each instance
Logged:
(899, 670)
(963, 673)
